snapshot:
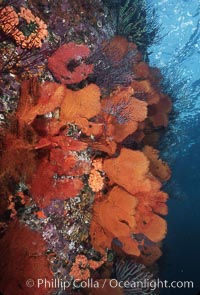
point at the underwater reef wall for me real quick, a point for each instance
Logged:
(81, 177)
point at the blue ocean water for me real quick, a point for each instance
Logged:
(178, 57)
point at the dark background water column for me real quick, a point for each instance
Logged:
(178, 57)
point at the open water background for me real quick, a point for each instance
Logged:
(178, 57)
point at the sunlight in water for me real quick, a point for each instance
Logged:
(177, 55)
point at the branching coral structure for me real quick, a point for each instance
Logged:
(78, 161)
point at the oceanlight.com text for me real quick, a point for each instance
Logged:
(113, 283)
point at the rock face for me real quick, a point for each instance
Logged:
(22, 260)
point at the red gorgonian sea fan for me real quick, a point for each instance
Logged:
(67, 63)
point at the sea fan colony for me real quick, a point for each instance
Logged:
(80, 177)
(128, 270)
